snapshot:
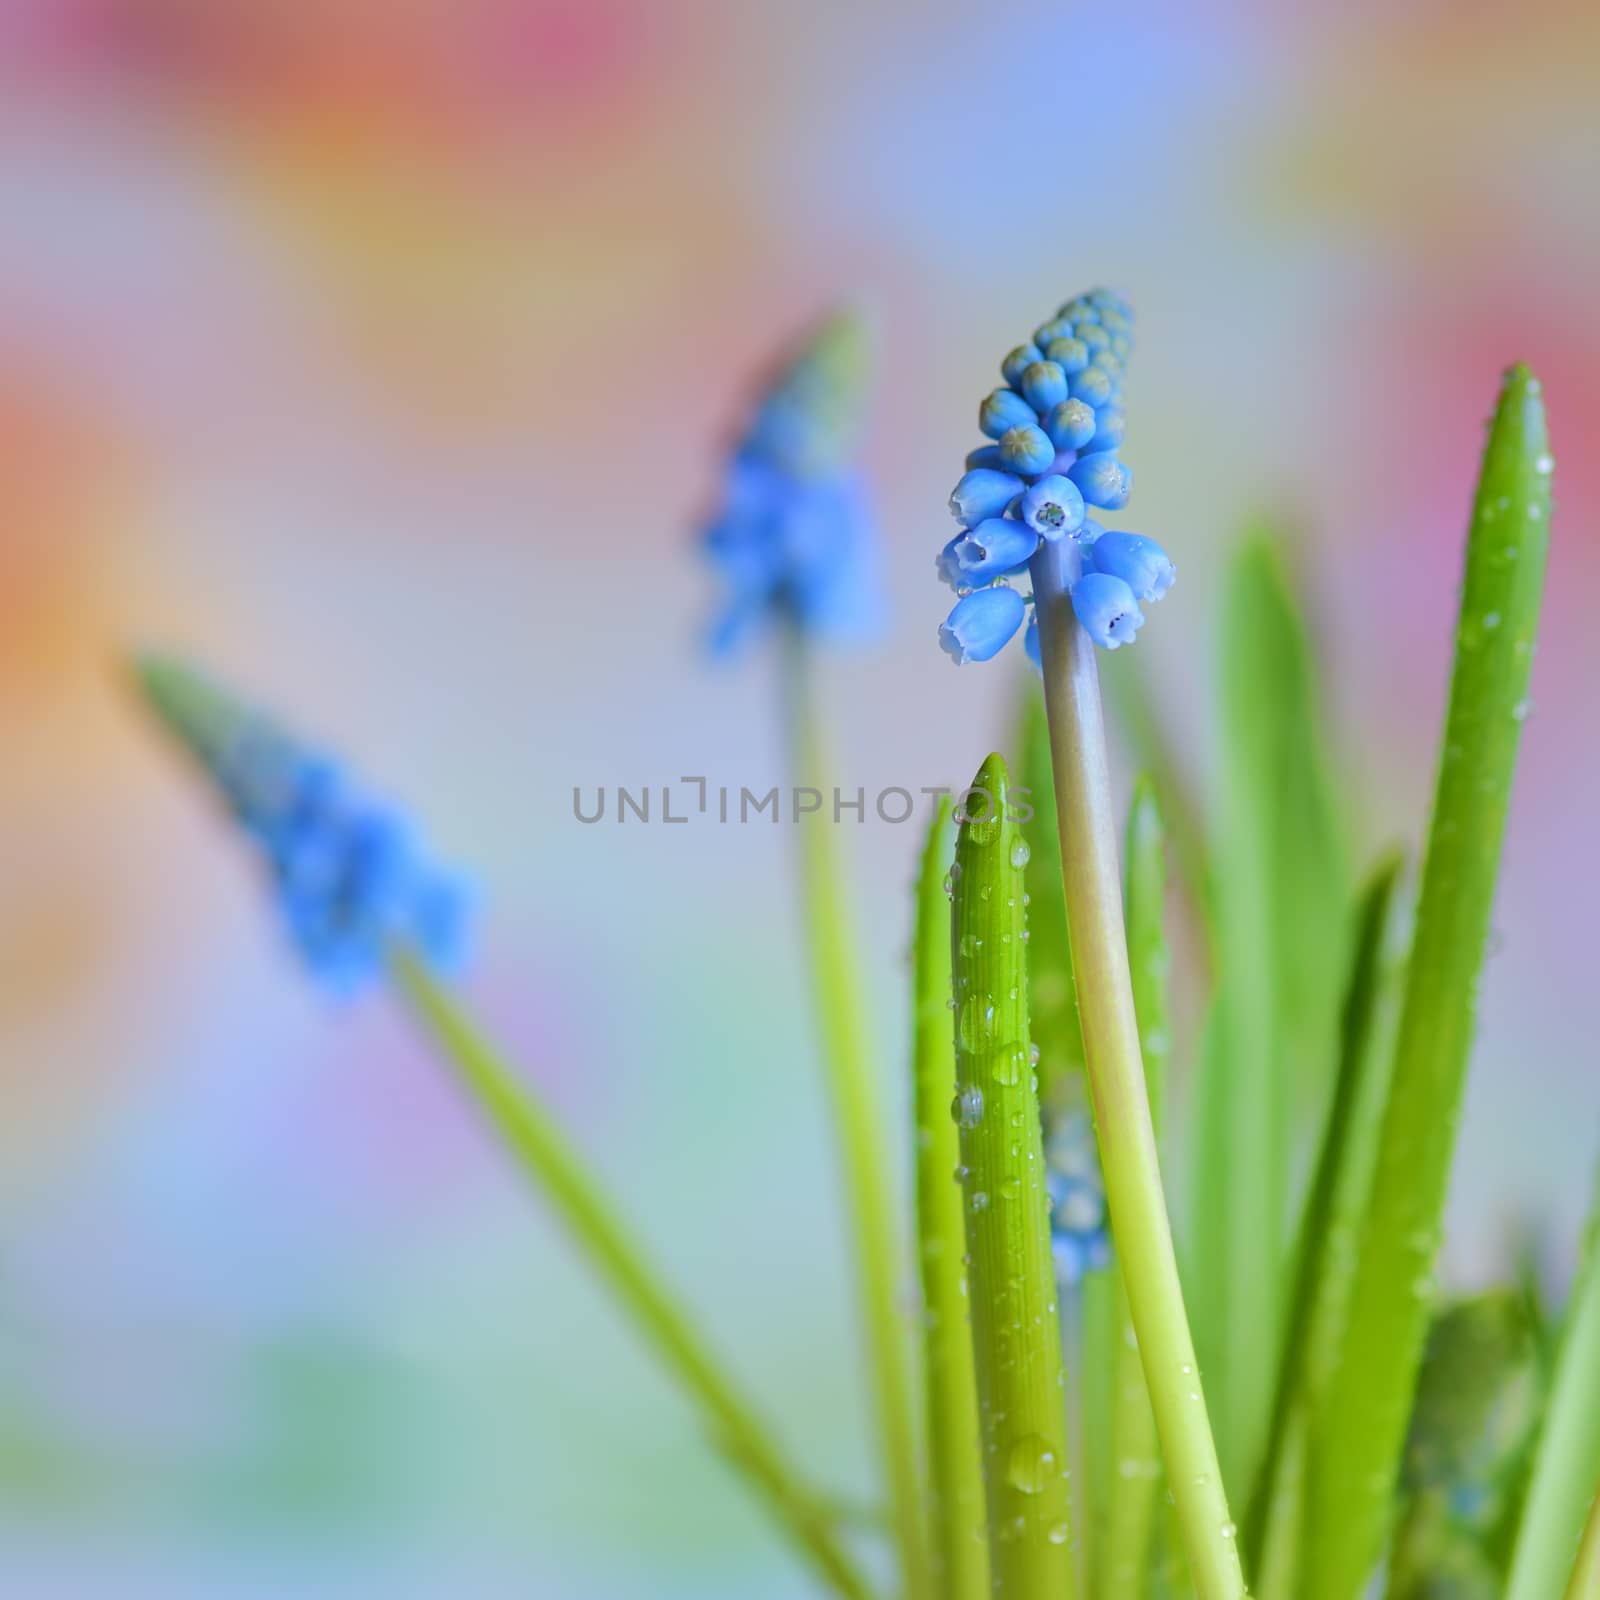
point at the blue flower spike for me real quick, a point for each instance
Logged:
(983, 493)
(982, 624)
(1027, 451)
(350, 881)
(1004, 410)
(1103, 480)
(791, 535)
(1107, 609)
(1141, 563)
(1056, 430)
(1052, 507)
(992, 549)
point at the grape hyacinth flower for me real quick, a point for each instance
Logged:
(1057, 428)
(1080, 1241)
(349, 879)
(792, 536)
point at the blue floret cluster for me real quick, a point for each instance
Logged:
(349, 878)
(792, 536)
(1080, 1241)
(1056, 430)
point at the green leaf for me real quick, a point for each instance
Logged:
(1585, 1581)
(1335, 1212)
(1477, 1404)
(1360, 1432)
(1015, 1332)
(960, 1549)
(1566, 1466)
(1123, 1564)
(1280, 900)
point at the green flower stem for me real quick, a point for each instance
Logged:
(1016, 1334)
(1566, 1464)
(1360, 1432)
(852, 1064)
(1117, 1083)
(1124, 1565)
(1334, 1213)
(1585, 1584)
(544, 1155)
(960, 1550)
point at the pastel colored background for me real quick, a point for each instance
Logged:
(377, 355)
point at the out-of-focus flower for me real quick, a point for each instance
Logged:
(792, 536)
(1080, 1241)
(348, 876)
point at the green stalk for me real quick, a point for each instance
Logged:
(1361, 1430)
(1016, 1334)
(1124, 1565)
(550, 1163)
(1566, 1463)
(1585, 1584)
(1117, 1083)
(1335, 1210)
(960, 1551)
(852, 1065)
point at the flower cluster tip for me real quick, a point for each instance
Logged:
(1056, 429)
(791, 536)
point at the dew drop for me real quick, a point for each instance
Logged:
(1008, 1065)
(1029, 1464)
(966, 1110)
(979, 1200)
(1020, 853)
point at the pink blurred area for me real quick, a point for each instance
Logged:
(378, 355)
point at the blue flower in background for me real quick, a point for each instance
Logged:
(349, 877)
(792, 536)
(1080, 1240)
(1057, 428)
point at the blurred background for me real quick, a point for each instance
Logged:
(378, 356)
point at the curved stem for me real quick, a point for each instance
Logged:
(544, 1155)
(863, 1139)
(1117, 1082)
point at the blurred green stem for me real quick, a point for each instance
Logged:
(1117, 1080)
(546, 1158)
(864, 1141)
